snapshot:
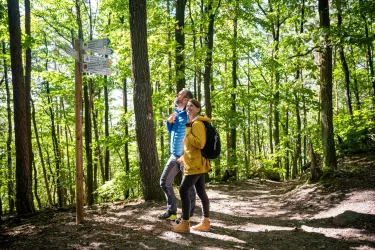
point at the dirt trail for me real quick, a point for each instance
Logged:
(256, 214)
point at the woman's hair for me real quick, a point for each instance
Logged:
(196, 104)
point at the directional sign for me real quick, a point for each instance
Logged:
(96, 44)
(90, 58)
(102, 51)
(71, 51)
(98, 65)
(105, 71)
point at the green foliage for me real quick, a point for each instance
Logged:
(115, 188)
(355, 133)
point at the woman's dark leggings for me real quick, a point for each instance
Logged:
(187, 183)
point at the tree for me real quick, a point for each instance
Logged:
(24, 195)
(329, 153)
(180, 47)
(144, 123)
(344, 63)
(233, 130)
(9, 138)
(208, 60)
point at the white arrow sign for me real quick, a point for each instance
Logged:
(96, 44)
(102, 51)
(71, 51)
(90, 58)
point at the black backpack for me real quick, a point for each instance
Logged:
(213, 146)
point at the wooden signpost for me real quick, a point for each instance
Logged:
(92, 65)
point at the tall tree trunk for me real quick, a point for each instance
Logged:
(298, 149)
(233, 130)
(53, 183)
(145, 129)
(197, 71)
(68, 141)
(329, 153)
(345, 68)
(28, 81)
(56, 148)
(180, 47)
(24, 195)
(106, 133)
(88, 128)
(276, 96)
(287, 166)
(305, 127)
(98, 153)
(88, 140)
(10, 183)
(126, 146)
(41, 156)
(208, 59)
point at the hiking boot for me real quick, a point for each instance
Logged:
(168, 215)
(178, 221)
(204, 225)
(183, 227)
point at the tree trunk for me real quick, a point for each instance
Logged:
(180, 47)
(287, 166)
(88, 140)
(56, 148)
(24, 195)
(145, 129)
(126, 146)
(208, 59)
(197, 74)
(68, 141)
(10, 183)
(276, 97)
(28, 81)
(88, 127)
(298, 148)
(329, 153)
(313, 164)
(106, 133)
(98, 152)
(41, 157)
(36, 186)
(356, 93)
(270, 128)
(345, 68)
(233, 131)
(305, 127)
(95, 160)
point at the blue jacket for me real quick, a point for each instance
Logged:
(177, 131)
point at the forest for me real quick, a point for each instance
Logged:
(289, 85)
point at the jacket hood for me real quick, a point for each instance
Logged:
(203, 119)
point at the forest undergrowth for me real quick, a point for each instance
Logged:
(337, 213)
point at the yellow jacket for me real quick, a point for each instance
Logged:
(195, 139)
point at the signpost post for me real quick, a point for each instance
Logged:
(78, 113)
(92, 65)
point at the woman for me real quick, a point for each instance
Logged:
(195, 167)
